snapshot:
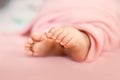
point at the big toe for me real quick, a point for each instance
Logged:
(36, 36)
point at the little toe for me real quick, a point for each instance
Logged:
(30, 41)
(28, 45)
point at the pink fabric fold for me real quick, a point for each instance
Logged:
(98, 18)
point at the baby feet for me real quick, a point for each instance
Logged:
(76, 44)
(58, 41)
(39, 45)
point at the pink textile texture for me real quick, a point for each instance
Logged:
(98, 18)
(15, 65)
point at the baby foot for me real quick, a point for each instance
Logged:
(76, 44)
(40, 45)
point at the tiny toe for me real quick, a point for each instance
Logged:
(57, 33)
(49, 35)
(53, 30)
(28, 45)
(30, 41)
(29, 51)
(61, 36)
(67, 41)
(36, 36)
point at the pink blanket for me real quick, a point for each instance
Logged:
(15, 65)
(98, 18)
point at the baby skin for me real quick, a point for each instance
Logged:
(59, 41)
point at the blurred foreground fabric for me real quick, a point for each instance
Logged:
(15, 65)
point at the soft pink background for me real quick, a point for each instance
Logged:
(15, 65)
